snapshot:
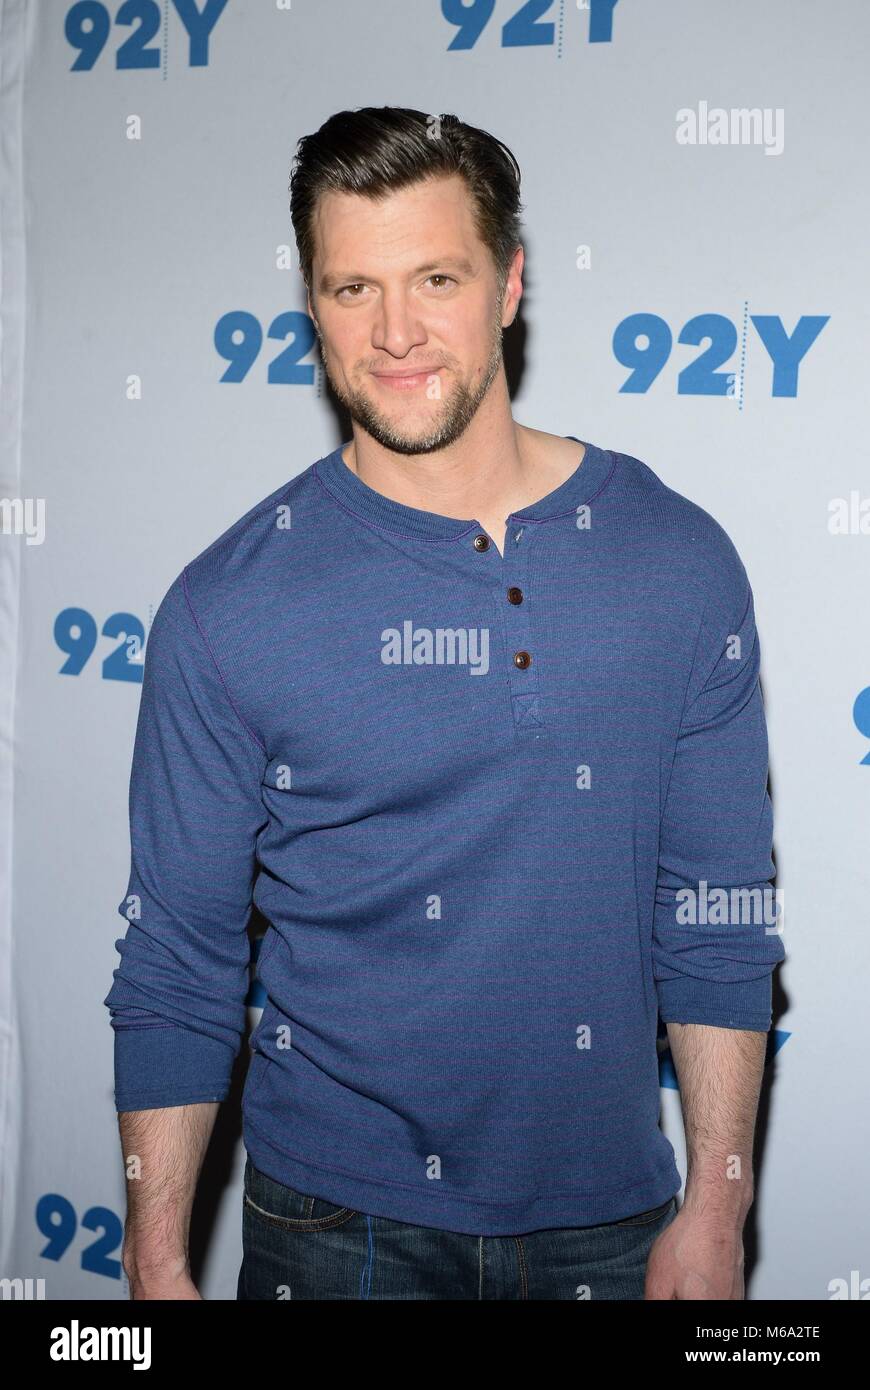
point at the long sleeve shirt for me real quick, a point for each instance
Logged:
(500, 812)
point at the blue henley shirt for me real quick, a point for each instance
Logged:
(468, 792)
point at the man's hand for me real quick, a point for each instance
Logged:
(699, 1255)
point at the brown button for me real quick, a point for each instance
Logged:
(522, 659)
(481, 542)
(515, 595)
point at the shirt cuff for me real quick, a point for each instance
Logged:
(721, 1004)
(163, 1064)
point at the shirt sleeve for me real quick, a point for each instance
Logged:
(714, 951)
(177, 1004)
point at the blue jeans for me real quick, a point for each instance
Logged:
(296, 1245)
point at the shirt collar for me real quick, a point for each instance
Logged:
(587, 480)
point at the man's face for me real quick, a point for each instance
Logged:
(405, 285)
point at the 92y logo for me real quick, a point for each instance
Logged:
(88, 25)
(701, 377)
(527, 26)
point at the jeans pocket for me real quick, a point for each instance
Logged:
(645, 1218)
(286, 1207)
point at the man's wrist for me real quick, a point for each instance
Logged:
(142, 1263)
(721, 1197)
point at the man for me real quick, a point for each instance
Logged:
(471, 712)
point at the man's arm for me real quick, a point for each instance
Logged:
(163, 1152)
(700, 1254)
(177, 1003)
(719, 1071)
(716, 939)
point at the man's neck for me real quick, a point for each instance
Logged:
(487, 481)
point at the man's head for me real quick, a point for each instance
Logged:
(408, 232)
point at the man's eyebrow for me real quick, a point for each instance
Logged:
(332, 281)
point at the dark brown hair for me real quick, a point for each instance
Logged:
(376, 149)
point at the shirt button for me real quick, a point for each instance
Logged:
(514, 594)
(481, 542)
(522, 659)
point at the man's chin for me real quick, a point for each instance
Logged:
(402, 435)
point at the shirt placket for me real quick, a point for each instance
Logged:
(513, 597)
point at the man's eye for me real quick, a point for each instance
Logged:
(350, 291)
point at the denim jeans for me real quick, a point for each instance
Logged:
(296, 1245)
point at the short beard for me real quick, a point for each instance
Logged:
(461, 406)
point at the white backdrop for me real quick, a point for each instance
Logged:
(143, 197)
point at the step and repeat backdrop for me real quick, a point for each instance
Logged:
(696, 205)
